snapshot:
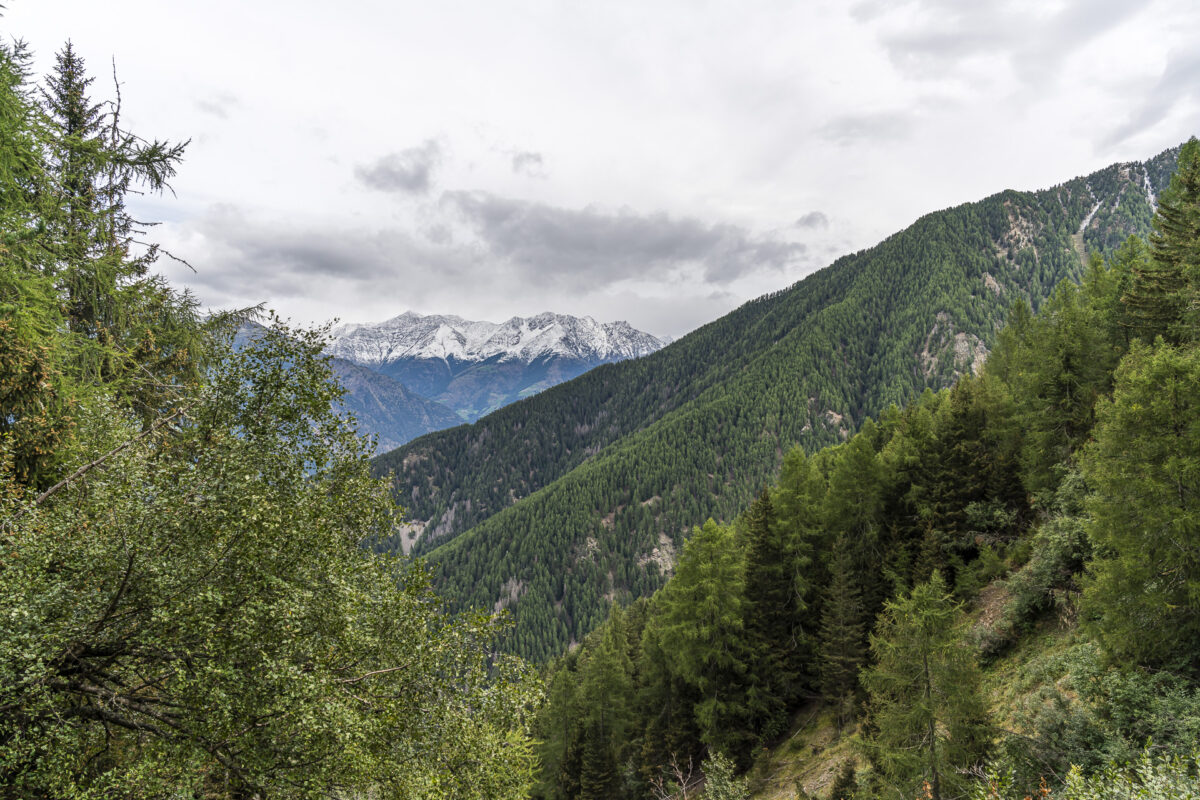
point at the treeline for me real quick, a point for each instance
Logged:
(558, 503)
(1069, 468)
(186, 605)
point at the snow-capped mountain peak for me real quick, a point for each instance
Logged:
(526, 339)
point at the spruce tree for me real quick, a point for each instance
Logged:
(779, 646)
(1154, 299)
(843, 644)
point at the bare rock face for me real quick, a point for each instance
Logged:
(951, 352)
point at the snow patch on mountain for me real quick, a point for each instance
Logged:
(525, 339)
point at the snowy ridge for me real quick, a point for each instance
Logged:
(524, 339)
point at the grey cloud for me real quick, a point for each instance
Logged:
(408, 171)
(591, 247)
(945, 32)
(1179, 82)
(853, 128)
(812, 220)
(247, 258)
(439, 233)
(529, 163)
(485, 246)
(221, 105)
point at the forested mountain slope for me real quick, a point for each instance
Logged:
(580, 495)
(993, 593)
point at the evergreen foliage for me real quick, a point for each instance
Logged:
(927, 710)
(843, 648)
(1144, 467)
(1175, 243)
(702, 632)
(1066, 463)
(771, 615)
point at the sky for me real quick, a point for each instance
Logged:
(658, 162)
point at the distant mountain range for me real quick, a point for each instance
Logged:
(472, 367)
(414, 374)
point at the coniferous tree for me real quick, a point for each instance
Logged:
(927, 709)
(606, 688)
(1150, 299)
(1175, 245)
(558, 732)
(974, 464)
(798, 501)
(96, 261)
(1065, 366)
(1154, 300)
(702, 633)
(779, 647)
(670, 732)
(1144, 511)
(843, 643)
(853, 508)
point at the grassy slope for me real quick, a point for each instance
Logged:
(813, 751)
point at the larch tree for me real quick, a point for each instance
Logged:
(1143, 590)
(927, 709)
(702, 633)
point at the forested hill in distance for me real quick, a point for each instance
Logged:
(386, 408)
(558, 505)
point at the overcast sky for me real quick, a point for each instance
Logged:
(660, 162)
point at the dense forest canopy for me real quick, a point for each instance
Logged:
(187, 607)
(989, 593)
